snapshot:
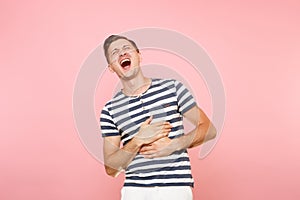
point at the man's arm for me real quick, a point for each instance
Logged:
(204, 131)
(116, 159)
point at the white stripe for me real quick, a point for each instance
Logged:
(107, 124)
(175, 133)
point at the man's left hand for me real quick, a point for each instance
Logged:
(159, 148)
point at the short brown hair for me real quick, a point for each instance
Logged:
(113, 38)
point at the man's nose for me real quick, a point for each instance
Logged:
(123, 53)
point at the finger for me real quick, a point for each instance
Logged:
(147, 153)
(167, 127)
(148, 121)
(164, 127)
(151, 156)
(166, 131)
(167, 124)
(161, 135)
(146, 148)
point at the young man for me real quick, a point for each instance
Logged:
(142, 127)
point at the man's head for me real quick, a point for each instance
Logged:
(123, 57)
(112, 39)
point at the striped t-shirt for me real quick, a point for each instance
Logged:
(165, 100)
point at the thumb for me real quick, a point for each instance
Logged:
(148, 121)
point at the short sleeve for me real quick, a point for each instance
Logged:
(184, 97)
(108, 127)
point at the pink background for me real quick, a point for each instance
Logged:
(254, 45)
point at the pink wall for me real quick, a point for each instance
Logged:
(254, 45)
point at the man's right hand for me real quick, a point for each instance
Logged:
(149, 133)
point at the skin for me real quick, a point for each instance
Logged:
(152, 138)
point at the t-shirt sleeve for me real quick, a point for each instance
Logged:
(185, 99)
(108, 127)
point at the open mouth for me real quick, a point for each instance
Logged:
(125, 63)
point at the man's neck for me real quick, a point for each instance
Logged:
(136, 86)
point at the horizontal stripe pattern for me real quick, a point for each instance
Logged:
(165, 100)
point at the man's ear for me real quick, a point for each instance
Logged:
(140, 56)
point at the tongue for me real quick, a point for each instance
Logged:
(126, 67)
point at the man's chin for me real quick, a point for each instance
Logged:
(130, 74)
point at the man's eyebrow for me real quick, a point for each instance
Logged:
(116, 49)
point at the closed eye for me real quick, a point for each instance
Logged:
(114, 52)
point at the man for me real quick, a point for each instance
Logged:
(142, 127)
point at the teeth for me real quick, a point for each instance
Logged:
(126, 59)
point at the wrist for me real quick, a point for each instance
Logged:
(137, 143)
(181, 143)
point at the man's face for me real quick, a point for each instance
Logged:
(123, 58)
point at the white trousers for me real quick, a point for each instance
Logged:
(157, 193)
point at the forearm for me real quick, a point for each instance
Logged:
(121, 157)
(201, 134)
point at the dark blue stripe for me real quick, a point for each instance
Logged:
(107, 128)
(104, 112)
(123, 137)
(110, 134)
(106, 120)
(191, 184)
(179, 86)
(177, 119)
(144, 171)
(166, 176)
(176, 128)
